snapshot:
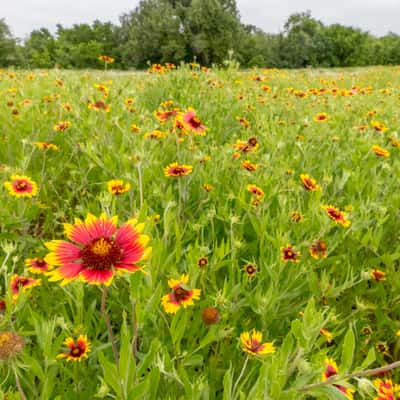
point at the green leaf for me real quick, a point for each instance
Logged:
(371, 357)
(348, 351)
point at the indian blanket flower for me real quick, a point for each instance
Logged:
(192, 122)
(176, 170)
(296, 216)
(255, 190)
(321, 117)
(106, 59)
(288, 253)
(99, 105)
(99, 250)
(46, 146)
(78, 350)
(309, 183)
(21, 284)
(21, 186)
(62, 126)
(380, 152)
(180, 296)
(202, 262)
(377, 275)
(318, 249)
(37, 265)
(117, 186)
(332, 369)
(250, 269)
(247, 165)
(336, 215)
(251, 343)
(386, 390)
(328, 335)
(378, 126)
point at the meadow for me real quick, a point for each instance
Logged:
(195, 233)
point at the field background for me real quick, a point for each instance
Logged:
(178, 356)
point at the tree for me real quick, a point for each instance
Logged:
(8, 46)
(39, 49)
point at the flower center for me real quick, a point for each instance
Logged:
(181, 294)
(21, 185)
(101, 253)
(195, 122)
(77, 352)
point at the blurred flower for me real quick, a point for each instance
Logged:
(321, 117)
(210, 315)
(192, 122)
(248, 166)
(117, 186)
(181, 295)
(175, 170)
(106, 59)
(21, 283)
(309, 183)
(328, 335)
(99, 105)
(99, 251)
(250, 270)
(202, 262)
(21, 186)
(331, 369)
(251, 343)
(378, 126)
(318, 249)
(46, 146)
(255, 190)
(377, 275)
(77, 351)
(336, 215)
(386, 390)
(37, 265)
(296, 216)
(62, 126)
(381, 152)
(290, 254)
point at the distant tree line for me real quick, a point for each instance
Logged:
(160, 31)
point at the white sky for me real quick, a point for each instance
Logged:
(376, 16)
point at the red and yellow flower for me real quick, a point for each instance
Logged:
(332, 369)
(99, 105)
(46, 146)
(37, 265)
(380, 152)
(386, 390)
(321, 117)
(318, 249)
(192, 122)
(21, 186)
(255, 190)
(378, 275)
(251, 343)
(62, 126)
(106, 59)
(336, 215)
(175, 170)
(309, 183)
(288, 253)
(21, 284)
(117, 186)
(180, 296)
(77, 350)
(247, 165)
(99, 250)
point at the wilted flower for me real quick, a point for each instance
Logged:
(10, 345)
(210, 315)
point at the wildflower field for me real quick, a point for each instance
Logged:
(191, 233)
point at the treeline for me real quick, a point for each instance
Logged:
(208, 31)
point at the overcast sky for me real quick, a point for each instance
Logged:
(376, 16)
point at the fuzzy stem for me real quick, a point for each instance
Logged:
(109, 327)
(335, 378)
(18, 383)
(240, 375)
